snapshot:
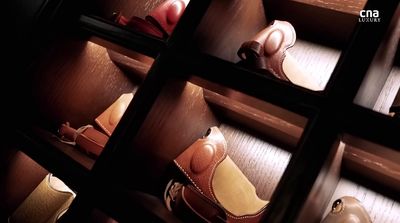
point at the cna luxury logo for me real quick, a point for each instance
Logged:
(369, 16)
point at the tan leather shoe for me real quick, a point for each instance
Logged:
(86, 138)
(159, 23)
(347, 210)
(109, 118)
(268, 53)
(214, 178)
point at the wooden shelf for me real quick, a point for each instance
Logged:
(297, 146)
(107, 34)
(65, 161)
(380, 208)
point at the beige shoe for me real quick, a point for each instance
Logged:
(268, 53)
(347, 210)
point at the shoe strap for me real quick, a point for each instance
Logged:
(193, 206)
(267, 50)
(87, 138)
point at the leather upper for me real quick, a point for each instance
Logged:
(216, 177)
(267, 50)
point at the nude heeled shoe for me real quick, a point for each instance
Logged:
(268, 53)
(217, 190)
(347, 210)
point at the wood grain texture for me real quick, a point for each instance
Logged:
(74, 153)
(261, 162)
(128, 8)
(378, 163)
(315, 21)
(16, 184)
(227, 24)
(178, 118)
(323, 187)
(259, 117)
(346, 6)
(75, 82)
(381, 209)
(381, 65)
(316, 59)
(389, 91)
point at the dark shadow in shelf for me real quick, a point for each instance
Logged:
(361, 169)
(181, 114)
(131, 205)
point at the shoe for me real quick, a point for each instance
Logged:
(109, 118)
(86, 138)
(160, 22)
(45, 204)
(268, 53)
(216, 189)
(348, 210)
(167, 15)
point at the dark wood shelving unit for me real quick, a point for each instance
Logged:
(317, 136)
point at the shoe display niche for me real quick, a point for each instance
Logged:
(206, 110)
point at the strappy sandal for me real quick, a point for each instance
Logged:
(216, 190)
(267, 53)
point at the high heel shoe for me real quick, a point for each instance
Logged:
(216, 189)
(348, 210)
(268, 53)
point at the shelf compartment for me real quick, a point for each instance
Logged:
(107, 34)
(379, 128)
(382, 73)
(76, 86)
(180, 115)
(75, 82)
(279, 125)
(105, 8)
(65, 161)
(361, 169)
(226, 35)
(381, 162)
(19, 176)
(212, 72)
(226, 25)
(322, 30)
